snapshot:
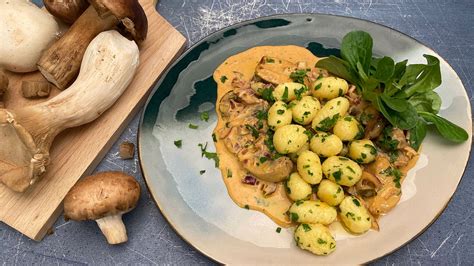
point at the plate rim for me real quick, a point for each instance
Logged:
(282, 16)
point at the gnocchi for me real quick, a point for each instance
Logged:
(347, 128)
(289, 138)
(354, 215)
(315, 238)
(294, 156)
(309, 167)
(327, 88)
(289, 91)
(311, 211)
(362, 151)
(342, 170)
(279, 115)
(327, 117)
(297, 188)
(305, 109)
(325, 144)
(330, 192)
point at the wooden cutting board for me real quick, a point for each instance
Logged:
(77, 151)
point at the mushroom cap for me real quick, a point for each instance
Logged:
(66, 10)
(129, 12)
(100, 195)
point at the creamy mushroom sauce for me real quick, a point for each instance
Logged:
(276, 204)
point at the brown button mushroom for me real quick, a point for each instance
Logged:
(60, 63)
(66, 10)
(103, 197)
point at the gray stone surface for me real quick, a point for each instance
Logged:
(447, 26)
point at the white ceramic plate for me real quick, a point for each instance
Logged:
(198, 206)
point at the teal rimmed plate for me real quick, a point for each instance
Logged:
(197, 205)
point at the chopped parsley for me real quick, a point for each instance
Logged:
(294, 217)
(284, 97)
(321, 241)
(204, 116)
(252, 130)
(299, 92)
(306, 227)
(299, 202)
(193, 126)
(178, 143)
(223, 79)
(356, 202)
(209, 155)
(263, 159)
(318, 86)
(395, 173)
(280, 111)
(214, 138)
(269, 60)
(298, 75)
(327, 123)
(337, 175)
(246, 206)
(229, 173)
(373, 151)
(309, 133)
(278, 230)
(267, 94)
(202, 172)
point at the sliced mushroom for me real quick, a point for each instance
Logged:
(61, 62)
(275, 70)
(103, 197)
(66, 10)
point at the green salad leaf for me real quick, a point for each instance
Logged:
(403, 93)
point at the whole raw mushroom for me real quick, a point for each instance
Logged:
(26, 31)
(103, 197)
(60, 63)
(27, 133)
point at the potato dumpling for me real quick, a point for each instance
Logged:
(312, 211)
(348, 128)
(279, 115)
(327, 88)
(325, 144)
(289, 91)
(362, 151)
(309, 167)
(316, 238)
(327, 117)
(305, 109)
(294, 156)
(297, 188)
(330, 192)
(342, 170)
(354, 215)
(289, 138)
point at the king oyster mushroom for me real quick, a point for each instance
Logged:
(26, 134)
(103, 197)
(60, 63)
(26, 31)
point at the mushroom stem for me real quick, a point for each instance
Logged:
(108, 67)
(61, 62)
(113, 229)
